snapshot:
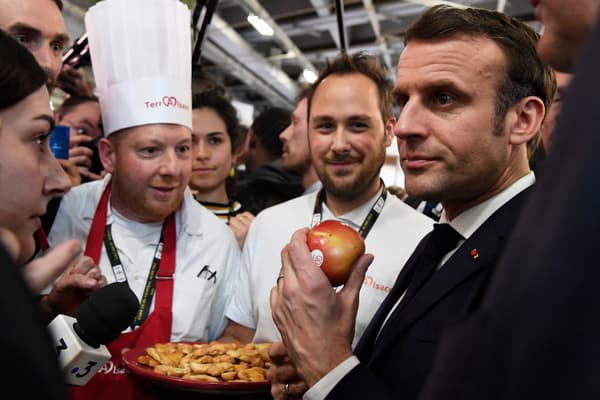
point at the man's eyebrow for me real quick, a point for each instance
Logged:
(359, 117)
(19, 27)
(321, 117)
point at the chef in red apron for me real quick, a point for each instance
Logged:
(140, 52)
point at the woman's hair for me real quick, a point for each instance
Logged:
(215, 101)
(20, 74)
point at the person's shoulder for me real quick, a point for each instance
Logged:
(281, 220)
(200, 222)
(287, 209)
(82, 197)
(196, 214)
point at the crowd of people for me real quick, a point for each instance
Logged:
(481, 287)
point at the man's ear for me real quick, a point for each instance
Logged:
(389, 131)
(529, 113)
(107, 154)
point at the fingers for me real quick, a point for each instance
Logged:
(240, 224)
(81, 156)
(72, 171)
(359, 270)
(85, 274)
(42, 271)
(82, 265)
(288, 390)
(242, 220)
(90, 175)
(76, 140)
(277, 351)
(72, 81)
(285, 382)
(295, 254)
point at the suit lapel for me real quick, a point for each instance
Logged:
(487, 241)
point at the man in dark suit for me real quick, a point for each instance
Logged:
(472, 93)
(537, 333)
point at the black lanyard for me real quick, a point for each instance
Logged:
(370, 219)
(120, 276)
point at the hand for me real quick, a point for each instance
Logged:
(80, 279)
(42, 271)
(240, 224)
(81, 156)
(305, 307)
(281, 373)
(71, 170)
(72, 81)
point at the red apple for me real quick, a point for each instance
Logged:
(335, 247)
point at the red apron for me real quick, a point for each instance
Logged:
(113, 381)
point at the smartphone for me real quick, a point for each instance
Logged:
(96, 166)
(59, 141)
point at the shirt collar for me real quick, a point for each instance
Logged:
(356, 216)
(313, 188)
(185, 213)
(470, 220)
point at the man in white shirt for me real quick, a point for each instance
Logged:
(350, 126)
(472, 94)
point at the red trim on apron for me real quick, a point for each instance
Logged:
(113, 381)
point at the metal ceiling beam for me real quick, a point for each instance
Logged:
(256, 8)
(322, 9)
(352, 17)
(225, 47)
(374, 20)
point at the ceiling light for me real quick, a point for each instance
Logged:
(309, 76)
(260, 25)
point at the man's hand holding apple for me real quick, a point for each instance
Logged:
(316, 322)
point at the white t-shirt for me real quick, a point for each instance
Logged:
(392, 240)
(203, 242)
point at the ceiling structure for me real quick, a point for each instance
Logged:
(269, 70)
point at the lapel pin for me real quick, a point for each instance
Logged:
(474, 254)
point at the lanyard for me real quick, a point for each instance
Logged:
(42, 239)
(120, 276)
(370, 219)
(161, 267)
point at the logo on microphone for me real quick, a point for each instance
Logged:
(84, 371)
(62, 345)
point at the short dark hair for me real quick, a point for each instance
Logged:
(217, 102)
(73, 101)
(59, 4)
(360, 63)
(20, 74)
(268, 125)
(526, 75)
(303, 93)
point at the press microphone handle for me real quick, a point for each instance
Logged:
(78, 360)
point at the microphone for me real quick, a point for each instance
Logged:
(80, 342)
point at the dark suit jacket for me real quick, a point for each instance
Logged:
(30, 367)
(537, 334)
(396, 366)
